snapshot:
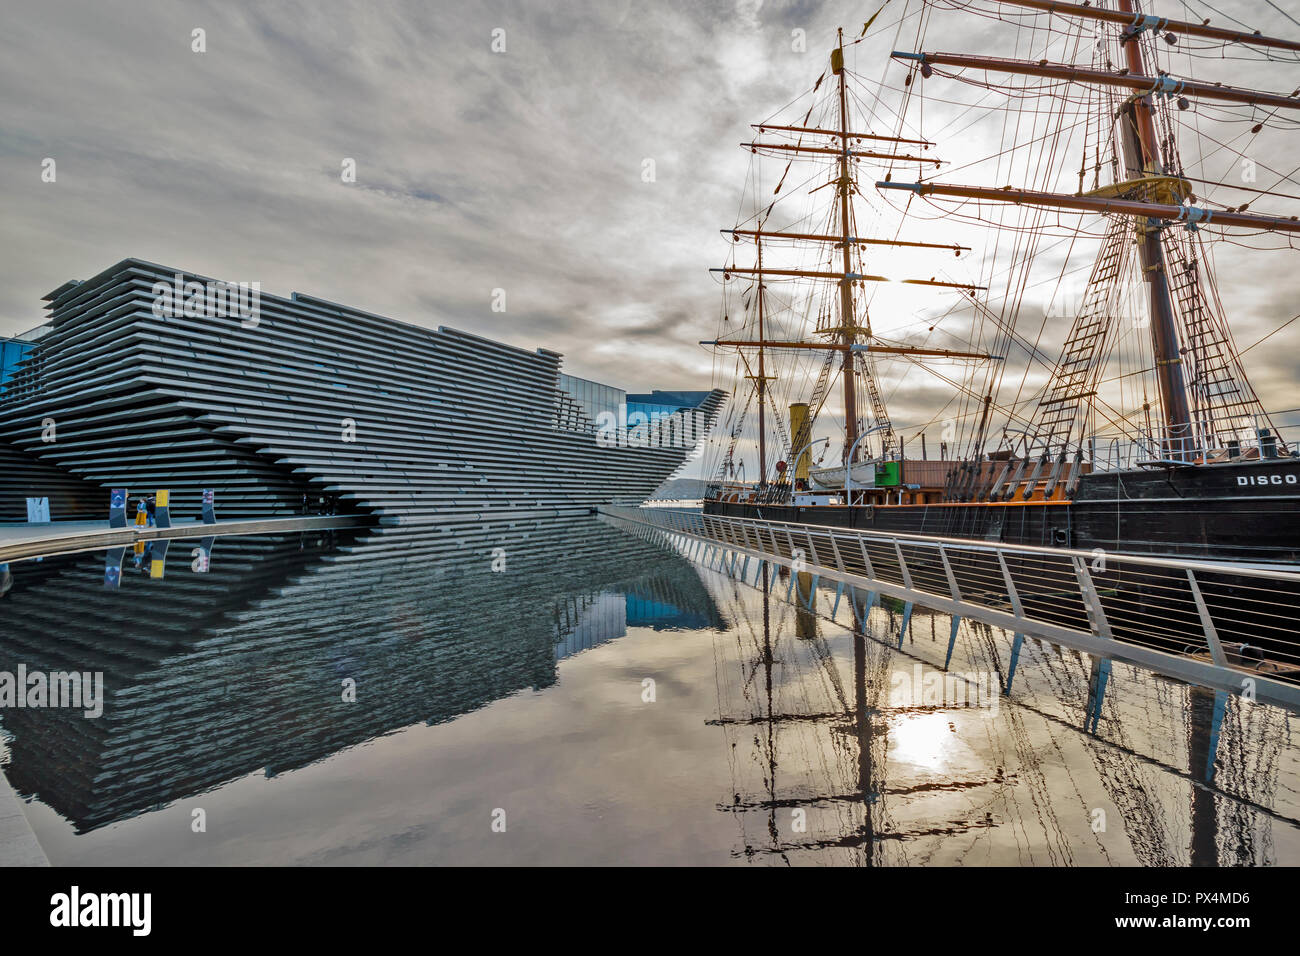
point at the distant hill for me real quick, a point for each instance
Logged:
(680, 489)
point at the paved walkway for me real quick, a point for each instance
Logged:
(18, 533)
(18, 846)
(64, 537)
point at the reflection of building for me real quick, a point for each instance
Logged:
(661, 604)
(589, 620)
(272, 401)
(593, 398)
(211, 676)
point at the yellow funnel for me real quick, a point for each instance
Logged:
(799, 429)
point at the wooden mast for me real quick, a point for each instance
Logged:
(843, 336)
(1190, 215)
(851, 277)
(1129, 79)
(1143, 156)
(856, 240)
(846, 285)
(854, 347)
(1137, 23)
(1139, 145)
(762, 371)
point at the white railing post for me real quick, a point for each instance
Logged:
(1093, 603)
(952, 578)
(835, 550)
(708, 538)
(1207, 622)
(902, 565)
(1012, 594)
(866, 558)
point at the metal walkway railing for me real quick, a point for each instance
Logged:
(1225, 626)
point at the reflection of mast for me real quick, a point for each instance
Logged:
(862, 724)
(772, 830)
(1200, 756)
(805, 609)
(768, 717)
(846, 329)
(762, 372)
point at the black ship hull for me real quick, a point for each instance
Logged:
(1245, 512)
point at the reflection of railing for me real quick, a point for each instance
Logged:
(1226, 626)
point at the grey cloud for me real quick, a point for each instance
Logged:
(476, 170)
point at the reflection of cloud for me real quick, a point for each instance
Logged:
(747, 14)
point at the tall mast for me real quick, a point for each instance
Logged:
(1143, 158)
(846, 284)
(845, 335)
(1126, 19)
(762, 370)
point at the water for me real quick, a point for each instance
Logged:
(600, 699)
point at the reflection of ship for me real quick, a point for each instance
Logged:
(280, 404)
(212, 676)
(801, 741)
(792, 712)
(1145, 435)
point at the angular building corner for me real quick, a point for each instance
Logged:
(149, 377)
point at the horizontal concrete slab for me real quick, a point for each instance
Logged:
(18, 844)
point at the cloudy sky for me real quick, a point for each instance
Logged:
(476, 169)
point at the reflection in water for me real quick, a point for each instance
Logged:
(1082, 762)
(213, 675)
(794, 723)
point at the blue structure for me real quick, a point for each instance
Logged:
(663, 403)
(12, 351)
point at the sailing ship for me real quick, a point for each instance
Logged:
(1144, 435)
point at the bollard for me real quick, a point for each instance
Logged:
(162, 515)
(38, 510)
(117, 508)
(113, 563)
(158, 558)
(202, 555)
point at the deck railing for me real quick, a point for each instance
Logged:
(1227, 625)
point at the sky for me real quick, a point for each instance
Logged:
(520, 168)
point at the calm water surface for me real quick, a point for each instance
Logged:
(605, 700)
